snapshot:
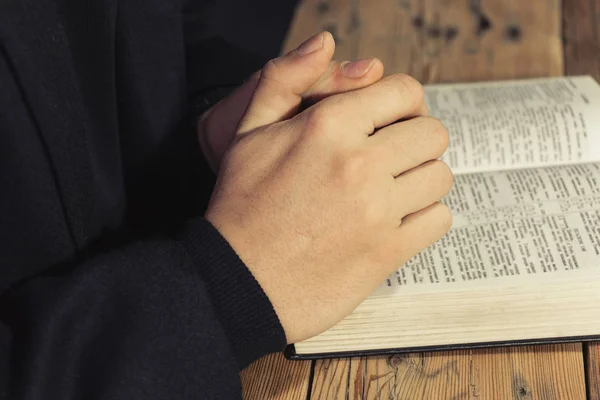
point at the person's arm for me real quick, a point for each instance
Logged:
(177, 316)
(160, 318)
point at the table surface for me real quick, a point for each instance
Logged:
(449, 41)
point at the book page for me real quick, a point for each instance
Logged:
(525, 223)
(518, 124)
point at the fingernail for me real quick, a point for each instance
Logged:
(358, 68)
(311, 45)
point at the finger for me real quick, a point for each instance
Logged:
(407, 144)
(393, 98)
(222, 120)
(283, 80)
(339, 77)
(422, 186)
(344, 76)
(420, 230)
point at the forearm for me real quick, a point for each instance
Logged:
(170, 317)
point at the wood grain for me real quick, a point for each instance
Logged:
(432, 375)
(531, 372)
(441, 40)
(592, 363)
(581, 19)
(275, 378)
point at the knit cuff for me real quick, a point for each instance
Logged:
(243, 308)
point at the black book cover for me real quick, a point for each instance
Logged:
(290, 351)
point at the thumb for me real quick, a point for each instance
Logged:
(283, 80)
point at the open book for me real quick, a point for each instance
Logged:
(521, 263)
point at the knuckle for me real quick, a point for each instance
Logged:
(373, 213)
(445, 217)
(439, 134)
(319, 119)
(407, 152)
(443, 173)
(270, 70)
(273, 75)
(351, 168)
(436, 135)
(408, 84)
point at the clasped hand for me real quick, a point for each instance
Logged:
(323, 204)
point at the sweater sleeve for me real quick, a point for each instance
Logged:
(160, 318)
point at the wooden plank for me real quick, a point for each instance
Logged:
(581, 37)
(592, 369)
(432, 376)
(275, 378)
(441, 40)
(532, 372)
(337, 379)
(496, 40)
(335, 16)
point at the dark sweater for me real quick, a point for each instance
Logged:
(112, 285)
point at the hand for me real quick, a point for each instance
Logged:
(323, 206)
(216, 128)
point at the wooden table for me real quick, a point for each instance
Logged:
(449, 41)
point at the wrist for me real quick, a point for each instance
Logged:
(246, 313)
